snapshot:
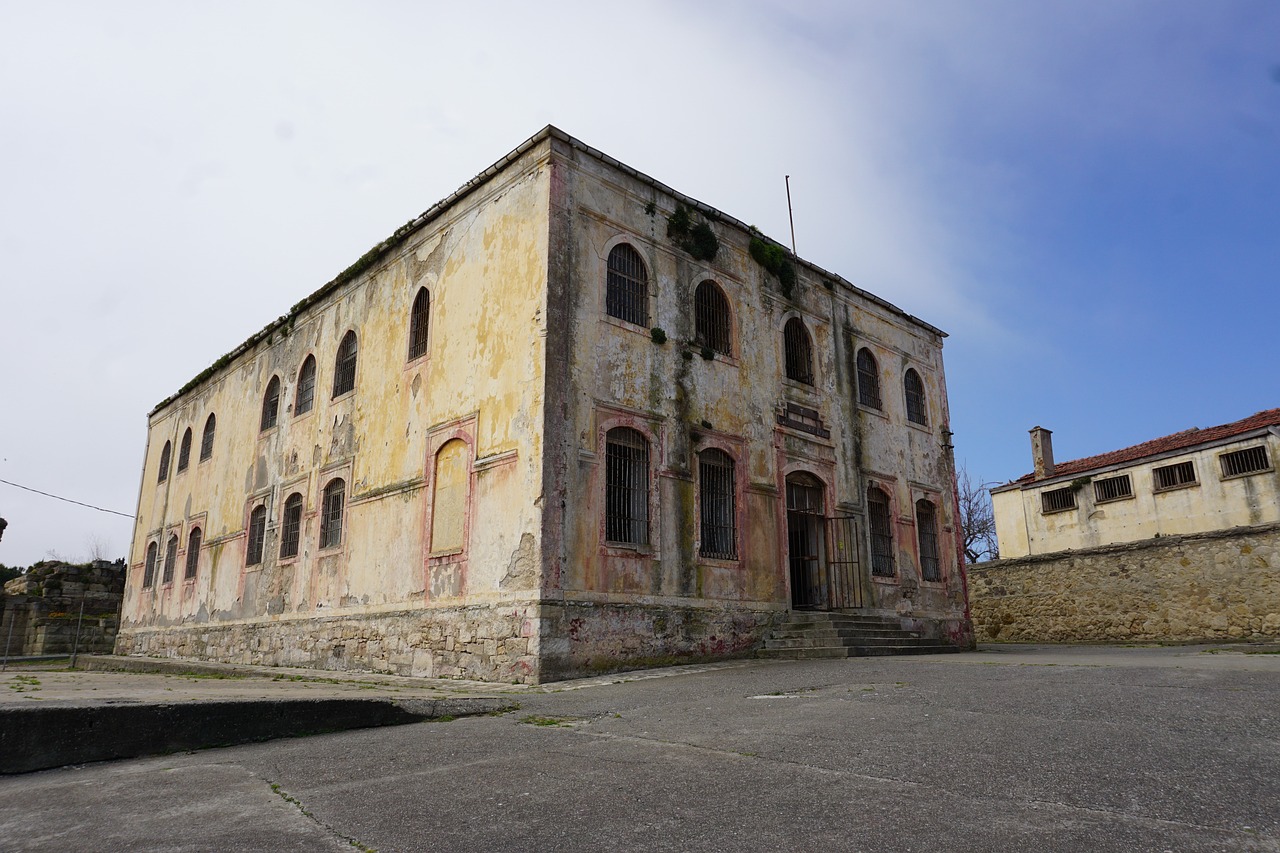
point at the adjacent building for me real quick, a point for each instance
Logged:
(568, 420)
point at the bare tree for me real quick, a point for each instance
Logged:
(99, 547)
(976, 519)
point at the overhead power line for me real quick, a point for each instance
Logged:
(68, 500)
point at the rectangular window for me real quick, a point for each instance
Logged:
(927, 529)
(881, 533)
(1175, 476)
(626, 487)
(1248, 461)
(716, 495)
(1058, 500)
(1112, 489)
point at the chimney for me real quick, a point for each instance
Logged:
(1042, 451)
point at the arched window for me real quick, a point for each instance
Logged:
(184, 451)
(164, 462)
(915, 398)
(713, 325)
(716, 499)
(344, 367)
(419, 322)
(627, 286)
(206, 441)
(626, 487)
(927, 530)
(868, 379)
(799, 351)
(193, 553)
(305, 395)
(149, 573)
(881, 532)
(331, 514)
(449, 498)
(291, 527)
(270, 405)
(257, 535)
(170, 557)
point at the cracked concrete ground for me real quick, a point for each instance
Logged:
(1011, 748)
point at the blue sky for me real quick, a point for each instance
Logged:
(1083, 194)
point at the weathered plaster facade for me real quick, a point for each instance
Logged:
(477, 536)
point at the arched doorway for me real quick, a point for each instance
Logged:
(805, 512)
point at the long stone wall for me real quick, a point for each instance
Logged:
(1206, 586)
(57, 608)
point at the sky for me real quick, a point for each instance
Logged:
(1084, 195)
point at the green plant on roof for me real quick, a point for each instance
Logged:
(692, 234)
(775, 261)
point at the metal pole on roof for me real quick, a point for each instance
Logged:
(791, 217)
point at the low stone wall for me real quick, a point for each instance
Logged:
(1208, 586)
(41, 611)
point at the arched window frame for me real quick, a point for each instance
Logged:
(420, 325)
(184, 451)
(707, 551)
(256, 536)
(653, 449)
(304, 394)
(291, 527)
(713, 318)
(270, 405)
(464, 430)
(149, 570)
(192, 568)
(626, 293)
(797, 349)
(930, 552)
(869, 380)
(917, 402)
(163, 474)
(170, 559)
(333, 514)
(345, 363)
(880, 532)
(206, 437)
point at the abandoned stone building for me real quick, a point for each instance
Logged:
(567, 420)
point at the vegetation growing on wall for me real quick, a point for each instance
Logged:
(693, 234)
(775, 261)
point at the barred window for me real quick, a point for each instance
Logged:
(915, 397)
(868, 379)
(184, 451)
(291, 527)
(1247, 461)
(716, 497)
(1173, 476)
(206, 441)
(927, 532)
(149, 573)
(881, 533)
(257, 535)
(193, 553)
(1112, 489)
(712, 320)
(270, 405)
(305, 395)
(1057, 500)
(419, 318)
(798, 351)
(627, 286)
(331, 514)
(164, 462)
(626, 487)
(344, 368)
(170, 557)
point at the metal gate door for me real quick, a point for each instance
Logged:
(844, 568)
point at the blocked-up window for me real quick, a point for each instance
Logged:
(170, 558)
(257, 536)
(1112, 489)
(1247, 461)
(627, 286)
(164, 462)
(184, 451)
(449, 497)
(716, 500)
(798, 351)
(1058, 500)
(881, 525)
(1173, 476)
(305, 395)
(917, 412)
(626, 487)
(927, 532)
(344, 366)
(270, 405)
(206, 441)
(419, 323)
(868, 379)
(331, 511)
(193, 553)
(291, 526)
(713, 323)
(149, 573)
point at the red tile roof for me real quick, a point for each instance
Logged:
(1177, 441)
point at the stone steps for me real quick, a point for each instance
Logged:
(810, 635)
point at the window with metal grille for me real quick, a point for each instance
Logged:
(716, 497)
(193, 553)
(164, 462)
(927, 532)
(712, 321)
(291, 527)
(1112, 489)
(331, 514)
(270, 405)
(798, 351)
(626, 487)
(1247, 461)
(627, 286)
(419, 318)
(149, 573)
(206, 441)
(344, 368)
(1173, 476)
(1057, 500)
(868, 379)
(915, 397)
(257, 535)
(170, 557)
(881, 532)
(305, 395)
(184, 451)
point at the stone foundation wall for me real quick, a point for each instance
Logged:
(1208, 586)
(481, 642)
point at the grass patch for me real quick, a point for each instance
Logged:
(535, 720)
